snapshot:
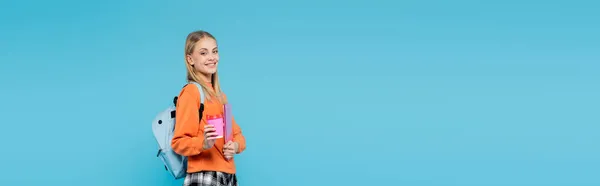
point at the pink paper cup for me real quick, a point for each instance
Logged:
(219, 125)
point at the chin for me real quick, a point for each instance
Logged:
(208, 71)
(211, 72)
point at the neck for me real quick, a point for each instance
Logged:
(205, 77)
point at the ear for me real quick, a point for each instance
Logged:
(189, 60)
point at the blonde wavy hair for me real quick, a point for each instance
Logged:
(192, 75)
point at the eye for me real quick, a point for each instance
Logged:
(216, 51)
(202, 53)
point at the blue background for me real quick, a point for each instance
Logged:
(418, 93)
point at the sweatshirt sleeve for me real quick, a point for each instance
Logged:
(238, 136)
(188, 136)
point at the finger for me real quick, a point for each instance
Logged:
(212, 134)
(209, 129)
(209, 132)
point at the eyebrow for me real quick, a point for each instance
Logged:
(207, 48)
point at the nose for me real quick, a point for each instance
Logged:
(212, 56)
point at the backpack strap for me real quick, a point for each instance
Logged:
(201, 92)
(201, 110)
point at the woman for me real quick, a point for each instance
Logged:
(210, 158)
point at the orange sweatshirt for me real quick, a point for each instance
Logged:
(188, 136)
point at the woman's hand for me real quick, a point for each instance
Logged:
(230, 149)
(209, 137)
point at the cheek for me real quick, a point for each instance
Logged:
(198, 59)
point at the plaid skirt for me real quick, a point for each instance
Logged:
(210, 178)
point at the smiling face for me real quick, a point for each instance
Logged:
(205, 56)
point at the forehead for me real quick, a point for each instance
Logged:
(206, 43)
